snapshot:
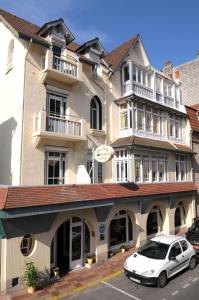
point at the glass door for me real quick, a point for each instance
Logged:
(76, 245)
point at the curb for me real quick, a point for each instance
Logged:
(88, 285)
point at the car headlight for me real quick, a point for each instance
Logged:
(150, 272)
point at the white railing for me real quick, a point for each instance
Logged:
(63, 126)
(169, 101)
(142, 90)
(64, 66)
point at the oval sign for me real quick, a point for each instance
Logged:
(103, 153)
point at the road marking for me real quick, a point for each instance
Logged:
(175, 293)
(186, 285)
(121, 291)
(196, 278)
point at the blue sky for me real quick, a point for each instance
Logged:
(169, 29)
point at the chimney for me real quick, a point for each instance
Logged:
(167, 69)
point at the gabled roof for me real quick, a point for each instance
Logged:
(150, 143)
(60, 22)
(24, 28)
(38, 196)
(192, 112)
(115, 57)
(83, 48)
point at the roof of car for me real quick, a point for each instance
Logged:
(167, 239)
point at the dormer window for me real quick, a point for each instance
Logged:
(56, 50)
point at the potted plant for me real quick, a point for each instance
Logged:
(90, 258)
(56, 272)
(123, 248)
(31, 277)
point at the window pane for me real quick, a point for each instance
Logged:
(118, 232)
(137, 169)
(140, 120)
(154, 170)
(155, 124)
(148, 122)
(130, 227)
(152, 223)
(145, 169)
(126, 73)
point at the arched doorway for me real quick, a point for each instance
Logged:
(180, 215)
(120, 229)
(154, 221)
(70, 244)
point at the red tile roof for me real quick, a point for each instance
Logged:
(18, 197)
(192, 112)
(115, 57)
(150, 143)
(22, 26)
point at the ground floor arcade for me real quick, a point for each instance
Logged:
(61, 235)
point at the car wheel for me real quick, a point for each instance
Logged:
(162, 280)
(192, 263)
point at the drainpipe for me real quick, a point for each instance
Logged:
(22, 130)
(106, 110)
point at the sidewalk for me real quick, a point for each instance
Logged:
(78, 280)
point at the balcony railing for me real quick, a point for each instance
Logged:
(150, 84)
(68, 128)
(63, 126)
(64, 66)
(66, 70)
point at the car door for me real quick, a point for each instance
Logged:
(175, 259)
(185, 254)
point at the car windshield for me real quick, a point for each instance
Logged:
(195, 227)
(154, 250)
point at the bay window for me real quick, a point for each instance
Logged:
(145, 168)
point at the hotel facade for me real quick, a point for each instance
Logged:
(59, 102)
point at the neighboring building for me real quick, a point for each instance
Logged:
(188, 74)
(59, 101)
(193, 115)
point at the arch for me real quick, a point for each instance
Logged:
(96, 113)
(154, 221)
(10, 52)
(120, 229)
(180, 215)
(70, 243)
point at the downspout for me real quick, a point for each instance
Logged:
(106, 110)
(22, 130)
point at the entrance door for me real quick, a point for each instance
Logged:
(76, 245)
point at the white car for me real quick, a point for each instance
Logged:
(160, 258)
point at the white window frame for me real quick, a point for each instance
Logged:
(181, 159)
(62, 161)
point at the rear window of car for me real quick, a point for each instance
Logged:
(195, 227)
(154, 250)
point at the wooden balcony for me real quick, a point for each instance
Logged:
(59, 69)
(66, 128)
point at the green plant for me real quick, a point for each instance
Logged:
(31, 275)
(90, 256)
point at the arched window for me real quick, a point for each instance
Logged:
(121, 229)
(96, 113)
(154, 221)
(179, 215)
(10, 52)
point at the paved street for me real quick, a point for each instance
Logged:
(182, 287)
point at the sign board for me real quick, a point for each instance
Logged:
(103, 153)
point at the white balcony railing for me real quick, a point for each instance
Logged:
(63, 126)
(64, 66)
(142, 90)
(68, 128)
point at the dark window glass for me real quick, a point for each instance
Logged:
(126, 73)
(95, 113)
(118, 232)
(154, 250)
(56, 50)
(130, 227)
(178, 217)
(175, 250)
(152, 223)
(184, 245)
(87, 239)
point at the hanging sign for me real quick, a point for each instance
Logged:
(103, 153)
